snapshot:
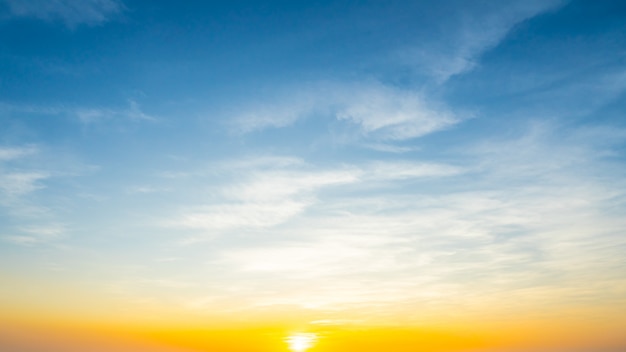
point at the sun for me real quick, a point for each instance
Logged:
(300, 342)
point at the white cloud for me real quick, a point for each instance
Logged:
(94, 115)
(269, 186)
(15, 181)
(389, 148)
(281, 114)
(533, 217)
(145, 189)
(572, 93)
(274, 190)
(22, 240)
(302, 261)
(87, 115)
(19, 183)
(11, 153)
(71, 12)
(134, 112)
(262, 162)
(239, 215)
(25, 173)
(466, 247)
(407, 170)
(470, 35)
(38, 234)
(375, 111)
(44, 232)
(391, 114)
(267, 199)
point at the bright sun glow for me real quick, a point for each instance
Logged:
(300, 342)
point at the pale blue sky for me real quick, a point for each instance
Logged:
(387, 154)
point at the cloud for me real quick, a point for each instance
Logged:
(240, 215)
(386, 113)
(286, 111)
(145, 189)
(276, 189)
(47, 231)
(22, 240)
(25, 174)
(409, 170)
(535, 217)
(266, 198)
(70, 12)
(374, 111)
(261, 162)
(95, 115)
(570, 94)
(389, 148)
(11, 153)
(271, 185)
(16, 181)
(15, 187)
(87, 115)
(19, 183)
(37, 234)
(471, 33)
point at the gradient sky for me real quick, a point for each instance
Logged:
(316, 166)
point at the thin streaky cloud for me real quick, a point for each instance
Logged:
(20, 183)
(390, 114)
(268, 197)
(11, 153)
(485, 237)
(100, 115)
(47, 231)
(38, 235)
(22, 240)
(71, 12)
(374, 111)
(238, 215)
(472, 36)
(389, 148)
(86, 115)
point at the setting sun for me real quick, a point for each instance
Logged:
(300, 342)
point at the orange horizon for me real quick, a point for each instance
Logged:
(65, 335)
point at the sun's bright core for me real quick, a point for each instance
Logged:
(300, 342)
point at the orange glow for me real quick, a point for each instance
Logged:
(143, 338)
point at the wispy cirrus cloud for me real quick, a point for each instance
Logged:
(370, 111)
(10, 153)
(268, 198)
(524, 216)
(25, 177)
(18, 181)
(277, 189)
(472, 34)
(389, 148)
(570, 94)
(39, 234)
(86, 115)
(385, 113)
(71, 12)
(92, 115)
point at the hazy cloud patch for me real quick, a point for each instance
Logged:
(70, 12)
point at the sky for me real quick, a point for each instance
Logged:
(336, 175)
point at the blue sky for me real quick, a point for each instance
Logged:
(318, 157)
